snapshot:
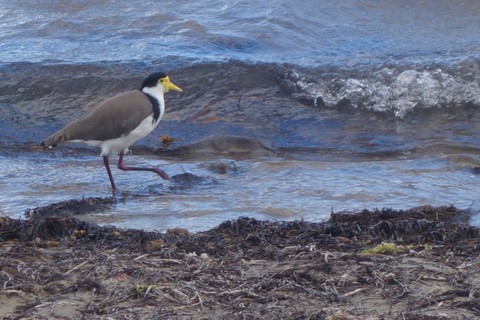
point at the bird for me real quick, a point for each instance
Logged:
(116, 123)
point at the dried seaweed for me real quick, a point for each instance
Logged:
(54, 266)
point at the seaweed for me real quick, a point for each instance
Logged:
(54, 265)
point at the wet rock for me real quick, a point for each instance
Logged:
(222, 167)
(476, 170)
(72, 207)
(188, 179)
(221, 145)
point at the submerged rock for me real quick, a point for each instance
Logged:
(222, 145)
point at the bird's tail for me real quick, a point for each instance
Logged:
(52, 141)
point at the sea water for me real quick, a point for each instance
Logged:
(344, 106)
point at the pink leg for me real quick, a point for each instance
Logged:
(122, 166)
(107, 166)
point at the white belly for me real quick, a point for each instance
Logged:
(122, 143)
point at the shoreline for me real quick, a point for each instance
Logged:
(420, 263)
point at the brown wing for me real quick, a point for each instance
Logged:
(111, 118)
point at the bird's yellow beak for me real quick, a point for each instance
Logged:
(169, 85)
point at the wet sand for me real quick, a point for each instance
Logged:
(420, 263)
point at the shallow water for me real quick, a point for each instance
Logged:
(267, 187)
(312, 106)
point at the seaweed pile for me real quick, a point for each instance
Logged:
(420, 263)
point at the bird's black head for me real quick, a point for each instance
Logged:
(152, 80)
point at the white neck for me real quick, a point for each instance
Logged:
(157, 92)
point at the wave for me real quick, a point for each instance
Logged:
(394, 89)
(391, 89)
(281, 105)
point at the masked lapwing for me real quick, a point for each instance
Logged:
(118, 122)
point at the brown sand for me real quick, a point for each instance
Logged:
(384, 264)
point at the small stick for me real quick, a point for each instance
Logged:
(79, 266)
